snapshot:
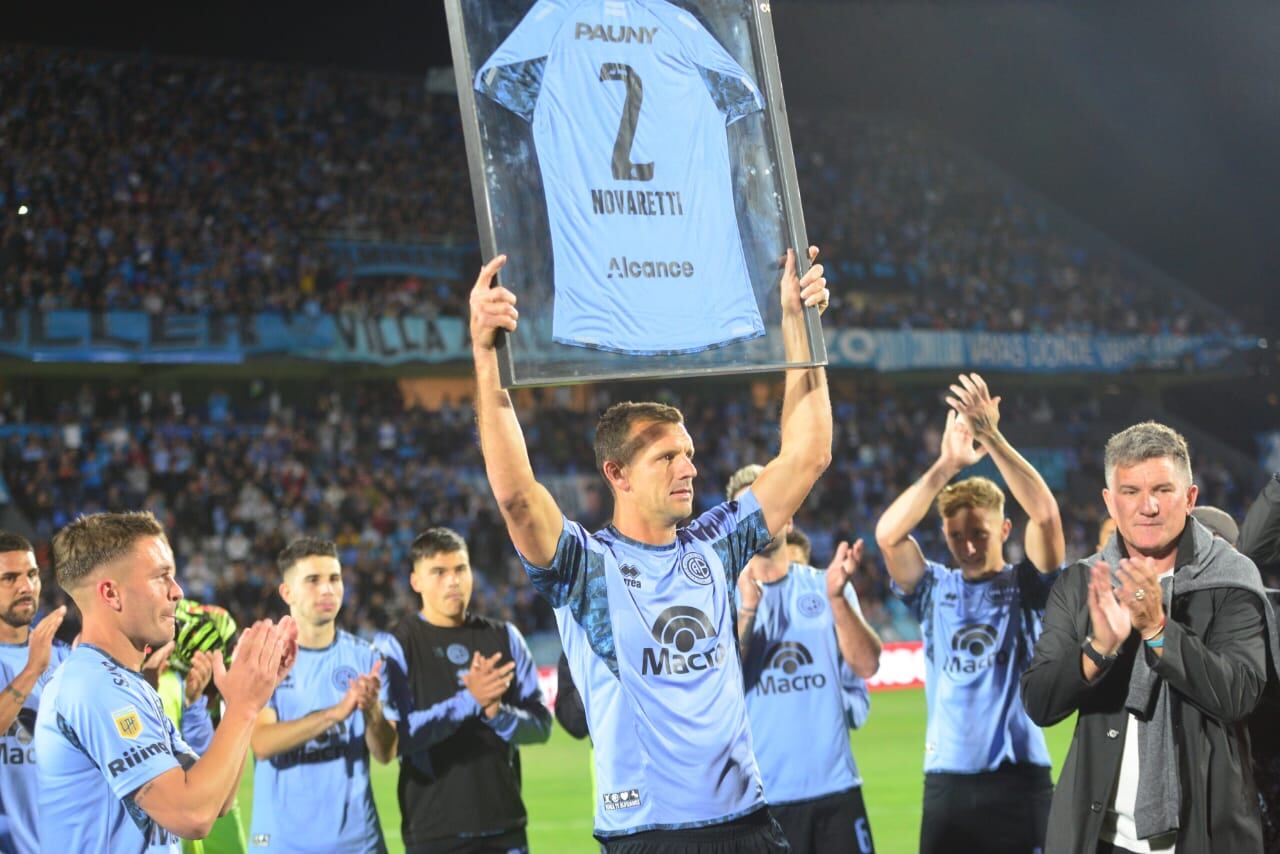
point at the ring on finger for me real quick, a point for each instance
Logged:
(1140, 594)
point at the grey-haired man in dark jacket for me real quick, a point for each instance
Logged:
(1161, 644)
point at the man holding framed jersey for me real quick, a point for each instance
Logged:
(645, 607)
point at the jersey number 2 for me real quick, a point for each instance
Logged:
(623, 168)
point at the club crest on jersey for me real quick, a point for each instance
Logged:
(457, 653)
(696, 569)
(342, 675)
(128, 722)
(809, 604)
(618, 34)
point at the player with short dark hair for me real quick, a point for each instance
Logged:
(311, 787)
(114, 773)
(28, 657)
(645, 606)
(799, 547)
(987, 784)
(464, 690)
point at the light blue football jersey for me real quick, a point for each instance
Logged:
(802, 698)
(101, 734)
(19, 829)
(317, 797)
(649, 635)
(629, 102)
(978, 639)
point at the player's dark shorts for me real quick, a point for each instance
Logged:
(832, 824)
(756, 833)
(1005, 811)
(510, 842)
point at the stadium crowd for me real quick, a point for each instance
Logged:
(225, 205)
(235, 474)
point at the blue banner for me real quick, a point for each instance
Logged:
(137, 337)
(896, 350)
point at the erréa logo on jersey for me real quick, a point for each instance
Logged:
(973, 649)
(791, 661)
(344, 675)
(696, 569)
(688, 643)
(630, 575)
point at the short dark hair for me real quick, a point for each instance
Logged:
(434, 541)
(10, 542)
(797, 537)
(614, 429)
(90, 541)
(304, 547)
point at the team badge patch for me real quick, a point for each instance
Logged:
(128, 722)
(343, 675)
(810, 604)
(458, 654)
(696, 568)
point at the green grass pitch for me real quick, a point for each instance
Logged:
(557, 781)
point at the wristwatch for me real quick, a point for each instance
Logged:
(1103, 661)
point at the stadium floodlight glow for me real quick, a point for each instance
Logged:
(23, 210)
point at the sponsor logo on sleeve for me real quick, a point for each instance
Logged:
(135, 756)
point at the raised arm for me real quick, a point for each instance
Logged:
(1045, 543)
(533, 520)
(859, 644)
(39, 654)
(186, 801)
(805, 451)
(902, 555)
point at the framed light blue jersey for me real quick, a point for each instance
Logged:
(629, 102)
(632, 160)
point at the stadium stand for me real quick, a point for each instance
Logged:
(236, 471)
(232, 203)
